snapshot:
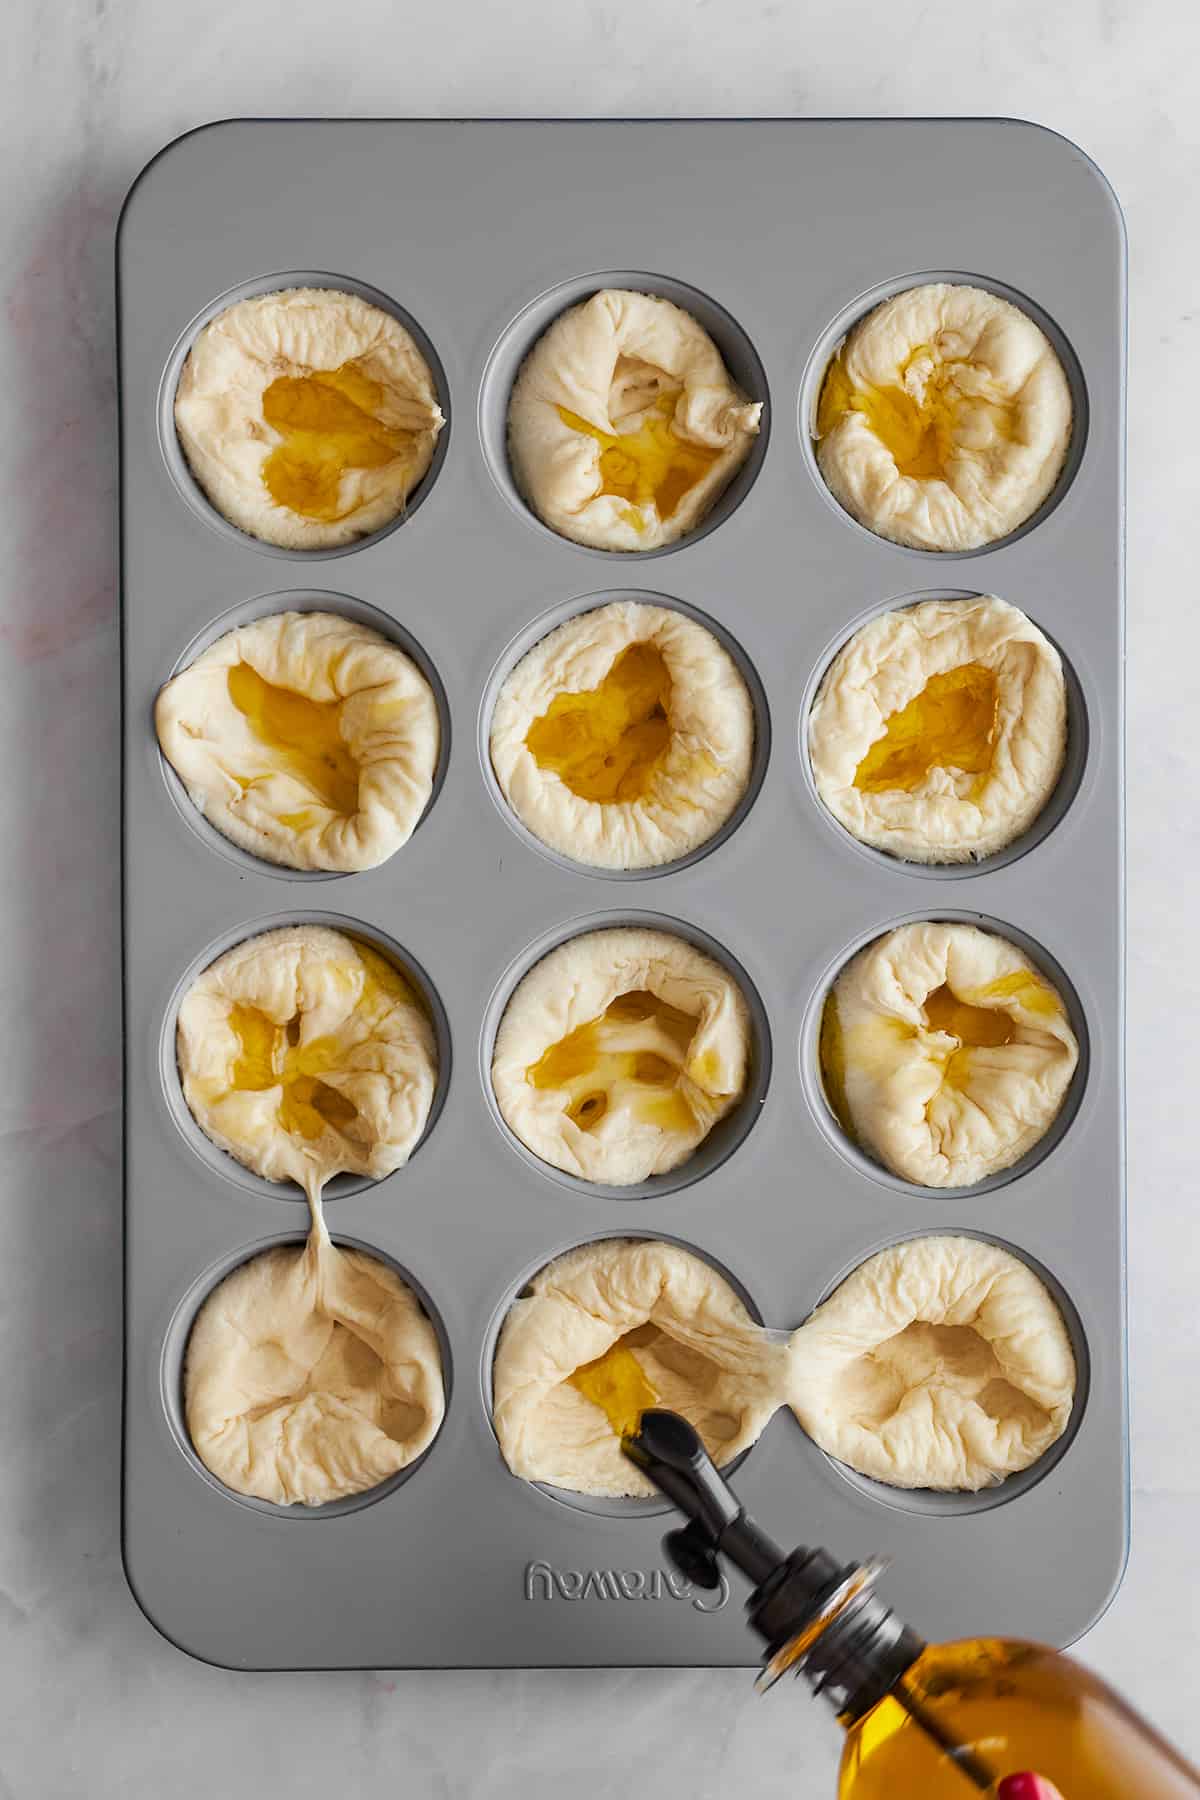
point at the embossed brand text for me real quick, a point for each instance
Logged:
(543, 1582)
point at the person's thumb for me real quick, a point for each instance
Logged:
(1027, 1787)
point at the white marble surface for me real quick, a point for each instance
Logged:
(92, 1701)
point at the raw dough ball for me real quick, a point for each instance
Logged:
(311, 1373)
(624, 738)
(696, 1344)
(939, 731)
(307, 416)
(624, 426)
(306, 739)
(944, 418)
(940, 1363)
(304, 1053)
(618, 1053)
(945, 1052)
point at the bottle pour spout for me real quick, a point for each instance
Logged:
(815, 1614)
(668, 1450)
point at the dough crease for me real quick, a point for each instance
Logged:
(287, 805)
(949, 1099)
(616, 363)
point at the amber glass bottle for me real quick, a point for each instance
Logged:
(964, 1715)
(923, 1721)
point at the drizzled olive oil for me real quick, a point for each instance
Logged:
(651, 464)
(618, 1385)
(633, 1054)
(328, 423)
(919, 433)
(303, 737)
(607, 743)
(950, 724)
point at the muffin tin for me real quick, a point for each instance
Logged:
(777, 234)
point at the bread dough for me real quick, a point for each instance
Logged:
(311, 1373)
(942, 1362)
(945, 1052)
(618, 1053)
(944, 418)
(700, 1350)
(307, 416)
(939, 731)
(662, 729)
(304, 738)
(624, 426)
(304, 1053)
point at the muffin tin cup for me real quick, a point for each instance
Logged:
(267, 606)
(533, 634)
(176, 461)
(725, 1136)
(602, 1505)
(857, 309)
(222, 1163)
(1058, 802)
(461, 1564)
(174, 1359)
(518, 339)
(812, 1081)
(929, 1502)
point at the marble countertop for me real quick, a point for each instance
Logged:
(93, 1701)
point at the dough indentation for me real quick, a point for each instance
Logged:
(650, 464)
(610, 1329)
(608, 743)
(940, 731)
(951, 724)
(303, 736)
(970, 1028)
(942, 1362)
(618, 1053)
(945, 1053)
(920, 424)
(629, 1059)
(328, 422)
(908, 1368)
(271, 1057)
(617, 1384)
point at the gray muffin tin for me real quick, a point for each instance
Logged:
(777, 234)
